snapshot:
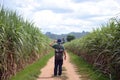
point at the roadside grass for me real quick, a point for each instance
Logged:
(87, 71)
(32, 71)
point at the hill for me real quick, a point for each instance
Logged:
(61, 36)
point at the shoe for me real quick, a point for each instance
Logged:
(55, 75)
(59, 74)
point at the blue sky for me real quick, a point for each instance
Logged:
(64, 16)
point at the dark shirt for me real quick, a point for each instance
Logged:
(59, 49)
(56, 46)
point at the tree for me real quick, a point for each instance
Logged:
(70, 37)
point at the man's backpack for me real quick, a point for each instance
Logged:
(59, 52)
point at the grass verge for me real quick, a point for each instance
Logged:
(87, 71)
(32, 71)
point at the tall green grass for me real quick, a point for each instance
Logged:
(21, 43)
(101, 48)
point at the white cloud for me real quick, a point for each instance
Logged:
(64, 16)
(64, 4)
(46, 18)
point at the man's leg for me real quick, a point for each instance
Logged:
(55, 67)
(60, 67)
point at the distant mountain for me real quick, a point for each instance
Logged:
(56, 36)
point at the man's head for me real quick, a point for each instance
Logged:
(59, 41)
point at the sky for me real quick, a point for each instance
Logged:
(65, 16)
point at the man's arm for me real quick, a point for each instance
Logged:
(52, 43)
(65, 55)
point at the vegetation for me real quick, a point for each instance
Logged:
(21, 43)
(70, 37)
(101, 48)
(32, 71)
(86, 70)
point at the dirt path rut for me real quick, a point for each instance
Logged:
(69, 72)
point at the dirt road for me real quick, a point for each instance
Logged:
(69, 71)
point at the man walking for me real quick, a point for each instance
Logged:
(59, 52)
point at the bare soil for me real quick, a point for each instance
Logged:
(68, 73)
